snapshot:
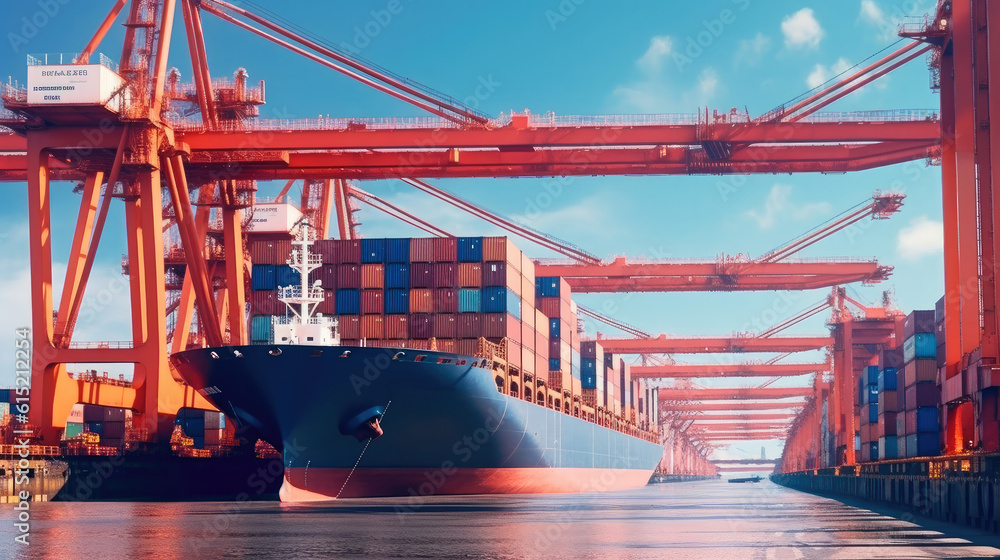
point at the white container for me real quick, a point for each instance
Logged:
(274, 217)
(72, 84)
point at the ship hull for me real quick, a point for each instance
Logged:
(447, 430)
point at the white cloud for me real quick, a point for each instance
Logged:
(751, 51)
(779, 206)
(921, 238)
(656, 95)
(708, 80)
(822, 73)
(872, 13)
(660, 47)
(802, 30)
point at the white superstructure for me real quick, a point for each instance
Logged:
(303, 325)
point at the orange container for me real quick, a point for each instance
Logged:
(372, 276)
(372, 326)
(421, 301)
(470, 275)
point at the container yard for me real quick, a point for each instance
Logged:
(235, 320)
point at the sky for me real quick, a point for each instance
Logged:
(571, 57)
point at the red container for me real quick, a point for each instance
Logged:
(466, 347)
(348, 276)
(493, 324)
(470, 275)
(348, 251)
(372, 276)
(446, 249)
(887, 424)
(495, 273)
(422, 250)
(446, 345)
(326, 248)
(327, 275)
(372, 302)
(397, 327)
(920, 371)
(329, 304)
(446, 275)
(555, 348)
(265, 303)
(372, 327)
(421, 275)
(263, 252)
(445, 325)
(470, 325)
(282, 250)
(349, 327)
(550, 306)
(421, 301)
(445, 300)
(421, 325)
(922, 394)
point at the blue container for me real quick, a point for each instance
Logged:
(470, 249)
(470, 301)
(872, 374)
(872, 413)
(397, 275)
(862, 392)
(5, 395)
(588, 381)
(348, 301)
(373, 250)
(199, 442)
(263, 277)
(260, 328)
(397, 301)
(554, 329)
(873, 449)
(547, 286)
(918, 346)
(872, 394)
(494, 300)
(286, 276)
(927, 419)
(588, 366)
(397, 250)
(96, 428)
(554, 364)
(514, 304)
(890, 448)
(887, 379)
(927, 444)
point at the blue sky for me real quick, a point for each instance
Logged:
(569, 57)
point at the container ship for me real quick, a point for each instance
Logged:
(415, 367)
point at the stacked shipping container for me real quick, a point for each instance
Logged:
(868, 403)
(922, 394)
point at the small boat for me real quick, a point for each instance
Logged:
(745, 479)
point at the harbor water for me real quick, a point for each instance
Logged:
(693, 520)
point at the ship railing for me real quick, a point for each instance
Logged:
(101, 345)
(314, 293)
(46, 59)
